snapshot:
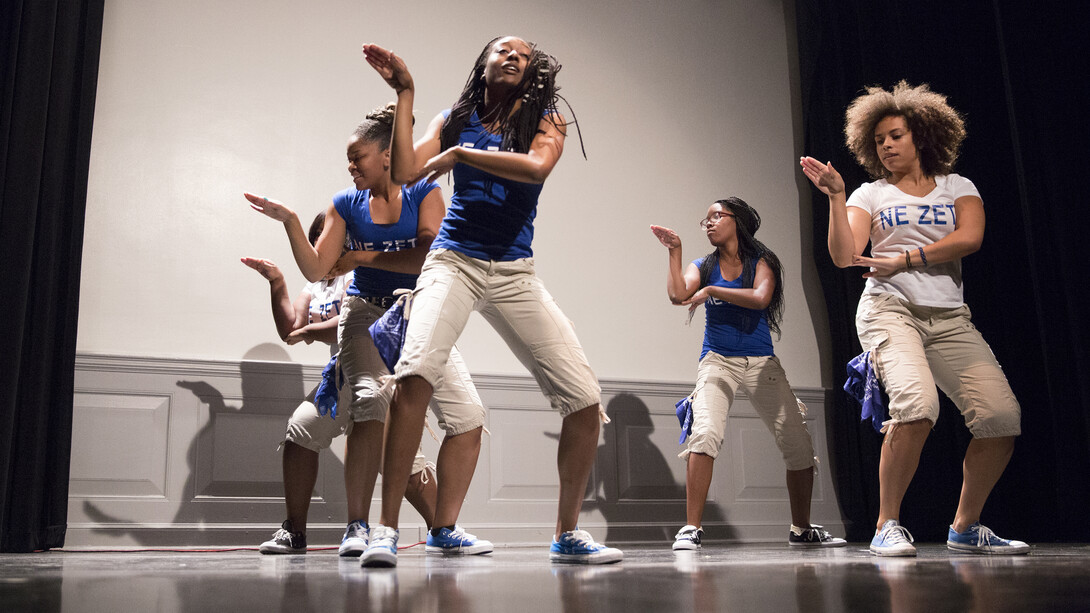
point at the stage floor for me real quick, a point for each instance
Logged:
(747, 578)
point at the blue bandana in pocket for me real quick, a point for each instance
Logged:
(388, 333)
(325, 397)
(685, 417)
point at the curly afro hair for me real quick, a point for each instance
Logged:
(937, 129)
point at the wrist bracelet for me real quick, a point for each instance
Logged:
(908, 259)
(923, 257)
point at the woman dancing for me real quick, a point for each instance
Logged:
(920, 220)
(740, 284)
(390, 227)
(314, 316)
(501, 139)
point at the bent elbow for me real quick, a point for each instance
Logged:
(399, 177)
(841, 262)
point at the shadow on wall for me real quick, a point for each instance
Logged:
(632, 480)
(235, 453)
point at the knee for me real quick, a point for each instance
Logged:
(412, 388)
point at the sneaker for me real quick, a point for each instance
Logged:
(285, 541)
(382, 550)
(354, 541)
(892, 540)
(814, 536)
(980, 539)
(456, 542)
(578, 547)
(688, 538)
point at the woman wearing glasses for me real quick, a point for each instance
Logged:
(740, 285)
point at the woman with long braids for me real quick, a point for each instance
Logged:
(501, 139)
(389, 227)
(740, 284)
(920, 220)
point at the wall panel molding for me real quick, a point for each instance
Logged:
(176, 452)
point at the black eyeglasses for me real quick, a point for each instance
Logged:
(714, 217)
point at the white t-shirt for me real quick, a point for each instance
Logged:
(325, 300)
(899, 223)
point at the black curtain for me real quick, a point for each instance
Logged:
(48, 75)
(1017, 73)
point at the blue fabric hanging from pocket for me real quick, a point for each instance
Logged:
(388, 333)
(325, 397)
(862, 384)
(685, 417)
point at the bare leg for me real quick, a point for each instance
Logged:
(698, 478)
(405, 422)
(900, 458)
(456, 463)
(574, 459)
(800, 488)
(300, 467)
(985, 460)
(362, 458)
(423, 496)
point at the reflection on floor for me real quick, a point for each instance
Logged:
(522, 580)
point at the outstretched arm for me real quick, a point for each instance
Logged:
(314, 261)
(679, 286)
(849, 229)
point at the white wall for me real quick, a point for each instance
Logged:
(680, 103)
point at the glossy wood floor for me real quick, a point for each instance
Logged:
(746, 578)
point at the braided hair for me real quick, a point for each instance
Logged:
(378, 126)
(537, 93)
(750, 251)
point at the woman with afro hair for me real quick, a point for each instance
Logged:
(920, 220)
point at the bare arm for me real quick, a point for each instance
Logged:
(406, 158)
(680, 286)
(757, 297)
(315, 261)
(533, 166)
(322, 331)
(283, 311)
(849, 229)
(407, 260)
(965, 240)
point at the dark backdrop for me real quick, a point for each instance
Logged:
(1016, 71)
(48, 72)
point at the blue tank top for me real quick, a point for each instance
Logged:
(489, 217)
(364, 234)
(731, 330)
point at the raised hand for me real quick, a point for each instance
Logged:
(390, 67)
(823, 176)
(271, 208)
(267, 268)
(667, 237)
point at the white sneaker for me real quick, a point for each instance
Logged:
(688, 538)
(382, 550)
(892, 540)
(354, 541)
